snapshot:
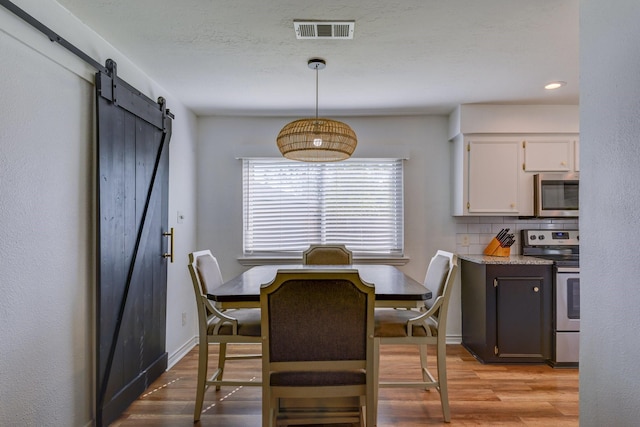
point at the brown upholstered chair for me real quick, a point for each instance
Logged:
(422, 328)
(317, 364)
(327, 255)
(217, 326)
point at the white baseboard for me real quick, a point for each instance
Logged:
(454, 339)
(181, 352)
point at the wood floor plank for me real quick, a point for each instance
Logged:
(479, 394)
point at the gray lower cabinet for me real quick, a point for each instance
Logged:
(506, 312)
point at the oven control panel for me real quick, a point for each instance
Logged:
(551, 237)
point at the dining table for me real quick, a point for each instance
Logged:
(393, 288)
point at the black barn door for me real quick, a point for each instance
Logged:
(132, 172)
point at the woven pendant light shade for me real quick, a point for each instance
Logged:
(317, 140)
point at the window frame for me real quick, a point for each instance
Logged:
(389, 256)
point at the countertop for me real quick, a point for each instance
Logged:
(513, 259)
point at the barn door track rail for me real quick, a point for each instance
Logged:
(56, 38)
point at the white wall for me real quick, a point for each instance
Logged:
(182, 199)
(46, 251)
(428, 223)
(610, 203)
(47, 217)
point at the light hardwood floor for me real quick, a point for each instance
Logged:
(479, 395)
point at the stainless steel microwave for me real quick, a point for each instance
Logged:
(556, 195)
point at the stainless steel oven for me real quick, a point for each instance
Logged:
(562, 247)
(556, 195)
(567, 321)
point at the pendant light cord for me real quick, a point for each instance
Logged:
(316, 93)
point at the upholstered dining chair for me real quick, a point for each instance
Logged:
(327, 255)
(220, 327)
(422, 328)
(317, 364)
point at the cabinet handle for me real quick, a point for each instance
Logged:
(536, 289)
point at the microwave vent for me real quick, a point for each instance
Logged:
(314, 30)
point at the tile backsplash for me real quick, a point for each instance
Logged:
(473, 233)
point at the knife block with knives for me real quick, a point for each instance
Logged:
(501, 244)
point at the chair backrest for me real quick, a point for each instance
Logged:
(205, 276)
(327, 255)
(317, 316)
(205, 272)
(440, 277)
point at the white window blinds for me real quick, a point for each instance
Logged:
(288, 205)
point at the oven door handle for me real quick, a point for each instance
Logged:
(568, 269)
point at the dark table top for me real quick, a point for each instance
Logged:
(392, 285)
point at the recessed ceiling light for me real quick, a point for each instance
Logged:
(554, 85)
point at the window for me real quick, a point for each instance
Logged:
(288, 205)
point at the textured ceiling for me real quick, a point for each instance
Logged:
(241, 57)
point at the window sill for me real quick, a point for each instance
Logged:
(252, 261)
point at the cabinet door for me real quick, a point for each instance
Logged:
(493, 176)
(520, 318)
(548, 154)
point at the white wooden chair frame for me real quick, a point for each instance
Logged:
(332, 251)
(334, 404)
(209, 314)
(433, 317)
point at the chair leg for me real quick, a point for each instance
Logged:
(368, 415)
(442, 381)
(222, 358)
(423, 364)
(376, 384)
(274, 409)
(266, 406)
(203, 359)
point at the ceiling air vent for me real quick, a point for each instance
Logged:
(324, 29)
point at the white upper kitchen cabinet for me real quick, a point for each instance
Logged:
(488, 181)
(496, 150)
(493, 176)
(548, 153)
